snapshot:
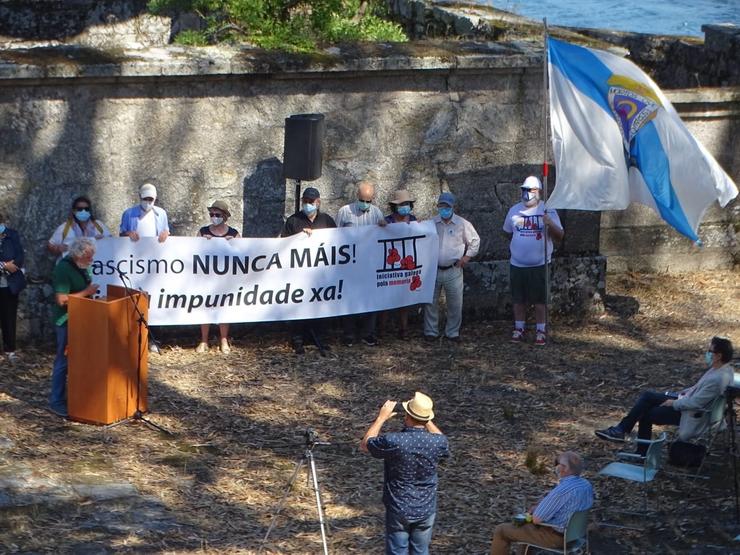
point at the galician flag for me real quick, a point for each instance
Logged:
(617, 139)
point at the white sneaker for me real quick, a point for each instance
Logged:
(12, 357)
(202, 347)
(225, 349)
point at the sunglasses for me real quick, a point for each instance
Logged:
(81, 208)
(215, 215)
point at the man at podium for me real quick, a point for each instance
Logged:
(72, 277)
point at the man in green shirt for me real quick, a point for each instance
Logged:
(71, 278)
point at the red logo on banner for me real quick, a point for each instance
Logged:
(408, 263)
(415, 283)
(393, 256)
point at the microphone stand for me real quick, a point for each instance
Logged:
(138, 414)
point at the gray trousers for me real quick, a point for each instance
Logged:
(451, 280)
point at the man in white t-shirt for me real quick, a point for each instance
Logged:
(360, 213)
(525, 227)
(145, 219)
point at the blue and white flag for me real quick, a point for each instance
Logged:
(617, 139)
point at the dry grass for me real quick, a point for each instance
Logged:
(239, 419)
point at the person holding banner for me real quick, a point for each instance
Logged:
(80, 223)
(458, 243)
(72, 277)
(145, 219)
(360, 213)
(219, 214)
(308, 218)
(524, 227)
(402, 204)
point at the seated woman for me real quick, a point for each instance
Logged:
(401, 207)
(219, 214)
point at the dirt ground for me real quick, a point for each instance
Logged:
(238, 423)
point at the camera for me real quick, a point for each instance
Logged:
(310, 436)
(399, 409)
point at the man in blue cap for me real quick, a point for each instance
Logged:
(308, 218)
(458, 243)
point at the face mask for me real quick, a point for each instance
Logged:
(445, 213)
(709, 358)
(82, 215)
(215, 220)
(146, 205)
(2, 228)
(528, 195)
(364, 206)
(404, 210)
(309, 209)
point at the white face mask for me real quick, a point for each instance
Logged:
(216, 220)
(146, 205)
(530, 197)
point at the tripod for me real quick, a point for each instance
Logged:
(307, 457)
(138, 414)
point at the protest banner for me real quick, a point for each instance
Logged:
(333, 272)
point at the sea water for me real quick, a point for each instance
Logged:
(660, 17)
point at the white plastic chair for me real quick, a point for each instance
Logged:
(575, 538)
(644, 473)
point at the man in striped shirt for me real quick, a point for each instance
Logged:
(546, 524)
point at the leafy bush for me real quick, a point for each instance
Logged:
(293, 25)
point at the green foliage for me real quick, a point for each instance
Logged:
(292, 25)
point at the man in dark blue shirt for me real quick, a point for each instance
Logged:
(410, 484)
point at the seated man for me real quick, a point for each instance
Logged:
(678, 409)
(546, 524)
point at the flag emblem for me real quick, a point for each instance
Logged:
(632, 104)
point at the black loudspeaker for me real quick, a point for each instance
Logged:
(304, 146)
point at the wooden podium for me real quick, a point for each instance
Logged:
(103, 355)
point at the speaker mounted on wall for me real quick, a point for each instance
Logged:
(304, 146)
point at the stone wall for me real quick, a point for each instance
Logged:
(208, 123)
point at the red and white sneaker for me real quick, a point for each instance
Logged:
(541, 338)
(517, 336)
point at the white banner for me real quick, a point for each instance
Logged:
(193, 280)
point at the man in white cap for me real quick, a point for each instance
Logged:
(410, 485)
(145, 219)
(458, 243)
(525, 227)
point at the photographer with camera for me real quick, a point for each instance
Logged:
(410, 477)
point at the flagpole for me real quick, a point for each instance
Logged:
(545, 171)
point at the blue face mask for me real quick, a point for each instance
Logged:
(709, 358)
(309, 209)
(364, 206)
(445, 212)
(82, 215)
(404, 210)
(2, 228)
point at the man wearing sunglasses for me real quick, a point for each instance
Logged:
(80, 223)
(145, 219)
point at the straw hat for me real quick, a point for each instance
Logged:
(420, 407)
(221, 205)
(401, 196)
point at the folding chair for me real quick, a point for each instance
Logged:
(714, 414)
(575, 538)
(643, 473)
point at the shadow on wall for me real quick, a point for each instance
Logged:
(264, 199)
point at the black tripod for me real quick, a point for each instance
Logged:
(142, 323)
(311, 442)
